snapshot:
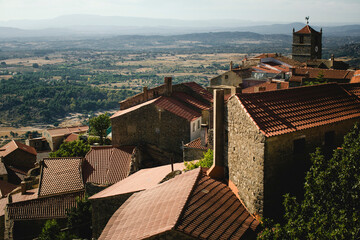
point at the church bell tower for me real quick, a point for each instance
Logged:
(307, 44)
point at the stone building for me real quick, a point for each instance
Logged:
(269, 135)
(161, 119)
(307, 44)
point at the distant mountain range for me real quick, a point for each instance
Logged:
(80, 26)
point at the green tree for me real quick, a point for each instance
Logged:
(75, 148)
(99, 124)
(206, 161)
(52, 231)
(35, 65)
(331, 205)
(79, 218)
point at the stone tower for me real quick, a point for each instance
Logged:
(307, 44)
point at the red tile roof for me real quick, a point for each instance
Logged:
(54, 132)
(266, 55)
(356, 77)
(72, 137)
(306, 30)
(6, 187)
(214, 212)
(177, 108)
(353, 88)
(266, 86)
(141, 180)
(199, 90)
(289, 110)
(185, 98)
(196, 144)
(300, 73)
(44, 208)
(60, 175)
(14, 145)
(107, 164)
(153, 211)
(192, 203)
(130, 109)
(18, 197)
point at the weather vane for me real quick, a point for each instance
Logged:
(307, 20)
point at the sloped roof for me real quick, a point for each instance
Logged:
(60, 175)
(191, 203)
(353, 88)
(153, 211)
(18, 197)
(356, 77)
(55, 132)
(300, 73)
(307, 30)
(167, 103)
(214, 212)
(6, 187)
(196, 143)
(71, 137)
(44, 208)
(107, 164)
(186, 98)
(14, 145)
(199, 90)
(141, 180)
(289, 110)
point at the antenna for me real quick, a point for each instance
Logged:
(307, 20)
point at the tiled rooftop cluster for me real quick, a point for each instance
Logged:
(14, 145)
(284, 111)
(67, 130)
(298, 74)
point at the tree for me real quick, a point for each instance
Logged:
(75, 148)
(206, 161)
(35, 65)
(79, 218)
(98, 126)
(331, 205)
(52, 231)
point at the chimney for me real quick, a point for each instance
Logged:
(9, 198)
(231, 65)
(168, 86)
(23, 187)
(145, 91)
(217, 169)
(203, 134)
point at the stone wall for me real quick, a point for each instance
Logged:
(190, 154)
(228, 78)
(285, 169)
(305, 50)
(20, 159)
(244, 156)
(103, 209)
(151, 125)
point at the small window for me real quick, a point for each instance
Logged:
(193, 128)
(301, 39)
(226, 76)
(198, 124)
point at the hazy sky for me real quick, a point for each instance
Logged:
(342, 11)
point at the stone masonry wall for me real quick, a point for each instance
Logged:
(244, 156)
(284, 170)
(103, 209)
(151, 125)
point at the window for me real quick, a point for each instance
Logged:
(198, 124)
(193, 128)
(226, 76)
(301, 39)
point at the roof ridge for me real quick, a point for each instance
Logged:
(108, 164)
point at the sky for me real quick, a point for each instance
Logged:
(282, 11)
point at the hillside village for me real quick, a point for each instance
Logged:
(261, 118)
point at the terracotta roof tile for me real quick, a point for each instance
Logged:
(356, 77)
(72, 137)
(289, 110)
(125, 111)
(67, 130)
(107, 165)
(192, 203)
(177, 108)
(199, 90)
(185, 98)
(153, 211)
(14, 145)
(60, 175)
(306, 30)
(196, 144)
(214, 212)
(300, 73)
(141, 180)
(18, 197)
(353, 88)
(44, 208)
(6, 187)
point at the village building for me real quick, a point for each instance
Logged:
(189, 206)
(52, 138)
(105, 203)
(307, 44)
(269, 135)
(299, 76)
(267, 86)
(327, 63)
(161, 119)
